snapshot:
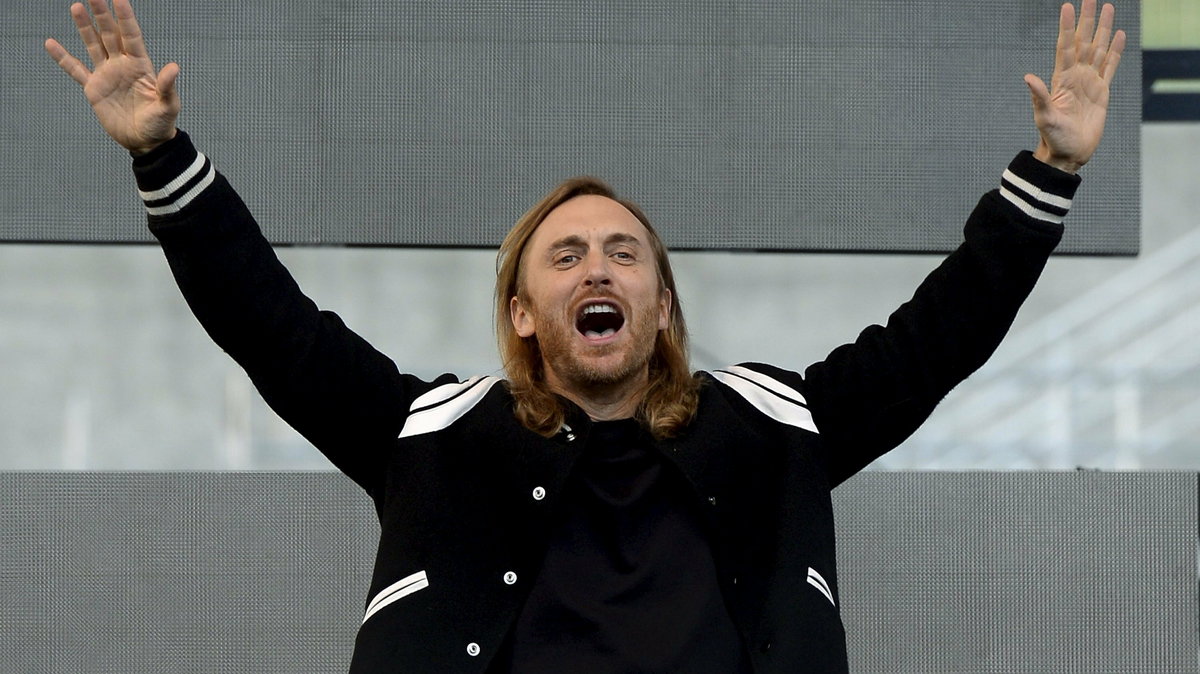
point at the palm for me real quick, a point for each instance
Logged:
(135, 105)
(1074, 120)
(126, 100)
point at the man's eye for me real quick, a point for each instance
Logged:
(567, 259)
(622, 255)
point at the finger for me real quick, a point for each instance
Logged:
(167, 90)
(1064, 54)
(1087, 23)
(108, 27)
(131, 32)
(1112, 59)
(166, 80)
(87, 32)
(1039, 92)
(1103, 33)
(70, 65)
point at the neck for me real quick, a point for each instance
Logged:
(607, 401)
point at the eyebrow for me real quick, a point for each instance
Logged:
(576, 241)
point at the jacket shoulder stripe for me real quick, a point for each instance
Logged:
(773, 385)
(782, 409)
(442, 394)
(396, 591)
(444, 405)
(818, 582)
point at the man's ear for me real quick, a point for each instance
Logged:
(522, 320)
(664, 310)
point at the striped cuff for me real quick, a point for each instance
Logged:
(1040, 191)
(172, 176)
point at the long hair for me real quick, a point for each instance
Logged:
(673, 392)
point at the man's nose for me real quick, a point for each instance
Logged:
(598, 273)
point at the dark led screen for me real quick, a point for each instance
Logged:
(816, 126)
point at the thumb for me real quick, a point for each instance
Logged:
(166, 80)
(1038, 91)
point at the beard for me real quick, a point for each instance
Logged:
(600, 366)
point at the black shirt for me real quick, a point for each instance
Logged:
(628, 583)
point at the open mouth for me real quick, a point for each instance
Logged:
(599, 320)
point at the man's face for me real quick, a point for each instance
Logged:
(591, 294)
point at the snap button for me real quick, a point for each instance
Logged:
(570, 437)
(539, 493)
(510, 578)
(712, 500)
(472, 649)
(765, 647)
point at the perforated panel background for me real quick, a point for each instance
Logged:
(870, 126)
(1019, 572)
(267, 572)
(125, 573)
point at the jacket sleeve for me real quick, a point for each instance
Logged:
(868, 396)
(319, 376)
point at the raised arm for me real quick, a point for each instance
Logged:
(868, 396)
(135, 104)
(333, 387)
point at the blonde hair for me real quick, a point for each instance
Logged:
(672, 394)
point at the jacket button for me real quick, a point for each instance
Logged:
(472, 649)
(539, 493)
(570, 437)
(712, 500)
(510, 578)
(766, 646)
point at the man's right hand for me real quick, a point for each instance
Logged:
(135, 105)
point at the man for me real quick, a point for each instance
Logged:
(602, 509)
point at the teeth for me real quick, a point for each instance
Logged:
(599, 309)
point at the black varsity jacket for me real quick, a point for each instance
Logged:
(463, 492)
